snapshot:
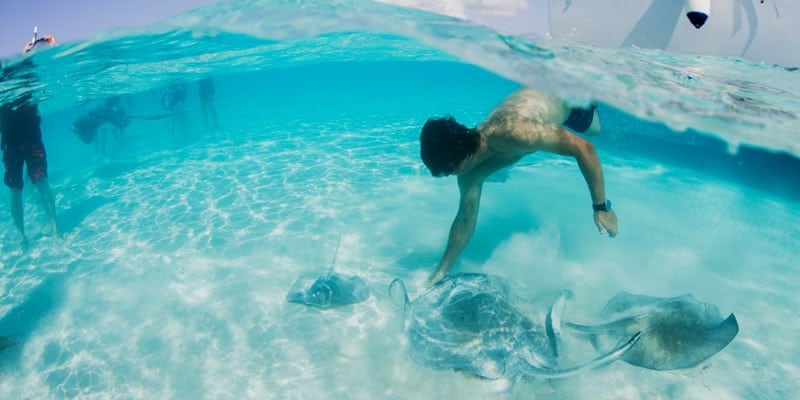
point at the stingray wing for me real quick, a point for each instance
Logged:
(625, 304)
(681, 345)
(350, 290)
(465, 322)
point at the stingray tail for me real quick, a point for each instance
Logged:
(335, 254)
(598, 362)
(553, 321)
(398, 293)
(593, 331)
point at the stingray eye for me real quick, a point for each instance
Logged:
(323, 294)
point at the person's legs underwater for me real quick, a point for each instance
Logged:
(17, 214)
(13, 161)
(49, 204)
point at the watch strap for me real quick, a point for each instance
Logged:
(602, 206)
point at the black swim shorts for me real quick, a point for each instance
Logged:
(580, 119)
(32, 154)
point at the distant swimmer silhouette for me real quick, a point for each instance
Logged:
(173, 101)
(206, 92)
(90, 127)
(525, 122)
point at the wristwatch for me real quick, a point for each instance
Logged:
(602, 206)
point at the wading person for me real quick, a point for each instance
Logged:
(22, 145)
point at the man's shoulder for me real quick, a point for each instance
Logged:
(511, 136)
(493, 163)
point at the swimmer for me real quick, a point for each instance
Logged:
(36, 41)
(21, 142)
(173, 99)
(525, 122)
(92, 126)
(205, 91)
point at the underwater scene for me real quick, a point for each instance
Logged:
(257, 221)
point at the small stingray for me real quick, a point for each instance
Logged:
(677, 332)
(329, 290)
(466, 322)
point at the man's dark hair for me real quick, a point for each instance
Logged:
(444, 143)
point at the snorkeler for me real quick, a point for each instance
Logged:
(90, 127)
(22, 143)
(36, 41)
(525, 122)
(173, 97)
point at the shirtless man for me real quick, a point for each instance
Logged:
(21, 143)
(525, 122)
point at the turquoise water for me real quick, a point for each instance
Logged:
(171, 279)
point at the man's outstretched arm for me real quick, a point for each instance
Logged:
(462, 228)
(558, 140)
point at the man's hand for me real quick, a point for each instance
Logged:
(606, 222)
(49, 39)
(436, 277)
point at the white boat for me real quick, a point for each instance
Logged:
(760, 30)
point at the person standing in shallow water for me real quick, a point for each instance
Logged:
(525, 122)
(22, 145)
(173, 99)
(205, 91)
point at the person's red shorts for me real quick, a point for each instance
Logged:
(31, 154)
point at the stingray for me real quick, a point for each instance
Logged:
(677, 332)
(329, 290)
(466, 322)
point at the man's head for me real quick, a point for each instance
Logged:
(444, 144)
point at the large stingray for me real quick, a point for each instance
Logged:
(677, 332)
(466, 322)
(329, 290)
